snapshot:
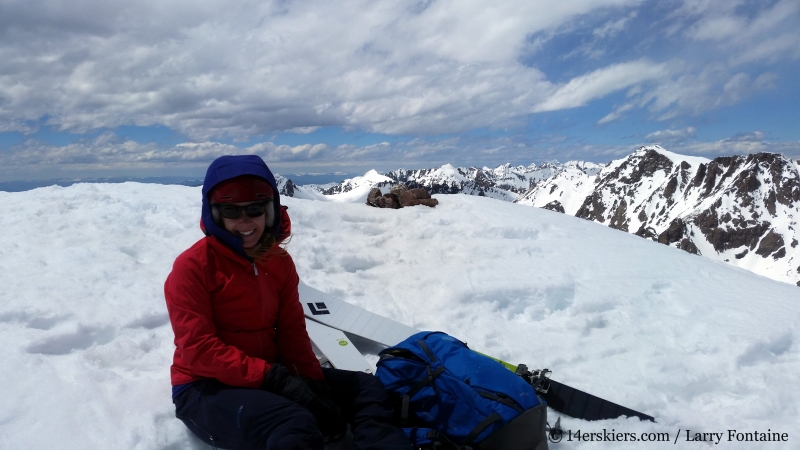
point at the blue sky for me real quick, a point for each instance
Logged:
(150, 88)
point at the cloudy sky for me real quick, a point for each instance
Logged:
(154, 88)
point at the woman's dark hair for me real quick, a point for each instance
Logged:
(267, 247)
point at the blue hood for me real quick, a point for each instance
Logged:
(225, 168)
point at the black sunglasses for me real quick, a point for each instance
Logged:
(231, 211)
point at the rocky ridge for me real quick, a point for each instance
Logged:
(739, 209)
(286, 187)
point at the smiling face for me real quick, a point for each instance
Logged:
(248, 229)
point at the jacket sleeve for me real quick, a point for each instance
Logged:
(294, 345)
(199, 349)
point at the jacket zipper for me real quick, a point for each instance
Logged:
(255, 270)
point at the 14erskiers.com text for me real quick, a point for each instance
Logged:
(690, 436)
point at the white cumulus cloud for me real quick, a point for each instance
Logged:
(599, 83)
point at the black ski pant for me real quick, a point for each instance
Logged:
(234, 418)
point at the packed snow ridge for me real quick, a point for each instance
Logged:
(742, 210)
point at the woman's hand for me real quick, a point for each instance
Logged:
(312, 394)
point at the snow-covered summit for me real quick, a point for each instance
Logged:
(674, 157)
(355, 189)
(87, 343)
(370, 179)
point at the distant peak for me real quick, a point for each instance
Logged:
(647, 148)
(674, 157)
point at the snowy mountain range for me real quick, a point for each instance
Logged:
(742, 210)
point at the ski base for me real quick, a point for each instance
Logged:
(581, 405)
(332, 346)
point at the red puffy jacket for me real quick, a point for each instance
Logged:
(233, 318)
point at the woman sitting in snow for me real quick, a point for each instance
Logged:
(244, 375)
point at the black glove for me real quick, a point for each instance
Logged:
(275, 378)
(312, 394)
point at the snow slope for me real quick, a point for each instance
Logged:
(564, 191)
(699, 344)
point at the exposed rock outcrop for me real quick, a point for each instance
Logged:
(555, 205)
(400, 196)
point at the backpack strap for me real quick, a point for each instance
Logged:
(428, 380)
(427, 350)
(501, 399)
(428, 438)
(494, 417)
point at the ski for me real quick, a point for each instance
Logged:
(581, 405)
(574, 402)
(333, 347)
(335, 313)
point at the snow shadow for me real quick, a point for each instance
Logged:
(33, 320)
(66, 343)
(150, 322)
(763, 351)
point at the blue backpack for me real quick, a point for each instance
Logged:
(448, 393)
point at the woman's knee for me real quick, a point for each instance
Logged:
(371, 387)
(296, 419)
(366, 379)
(296, 414)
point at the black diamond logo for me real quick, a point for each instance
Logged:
(318, 308)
